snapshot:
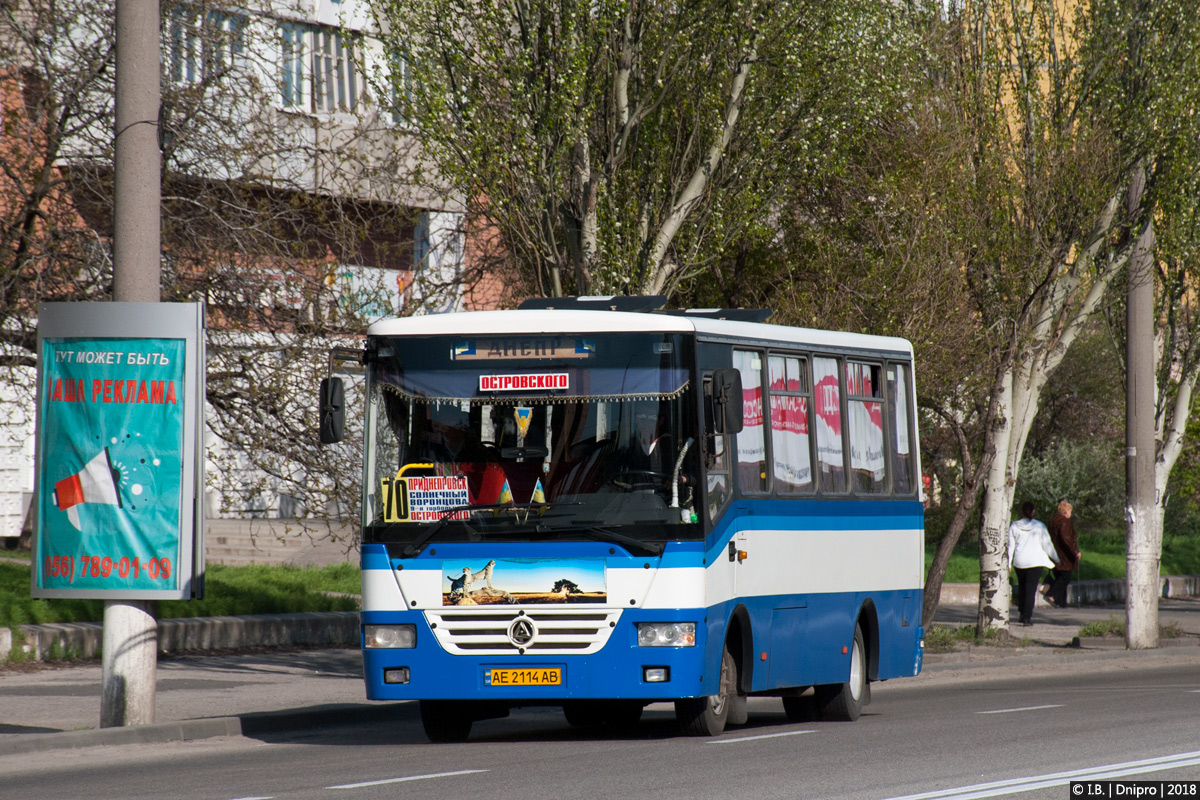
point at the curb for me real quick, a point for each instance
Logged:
(1082, 592)
(1087, 649)
(155, 733)
(176, 635)
(252, 724)
(1117, 643)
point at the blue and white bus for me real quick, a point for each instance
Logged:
(599, 504)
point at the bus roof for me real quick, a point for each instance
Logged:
(530, 322)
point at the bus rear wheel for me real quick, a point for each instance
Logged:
(844, 701)
(706, 716)
(446, 720)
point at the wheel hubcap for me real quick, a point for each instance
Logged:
(856, 671)
(725, 688)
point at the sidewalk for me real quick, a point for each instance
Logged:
(54, 707)
(1058, 628)
(198, 697)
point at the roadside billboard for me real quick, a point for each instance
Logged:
(119, 470)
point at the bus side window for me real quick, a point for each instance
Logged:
(864, 390)
(900, 396)
(751, 441)
(790, 440)
(827, 399)
(716, 461)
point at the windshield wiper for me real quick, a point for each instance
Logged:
(606, 535)
(448, 515)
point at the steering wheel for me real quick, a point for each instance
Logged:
(635, 479)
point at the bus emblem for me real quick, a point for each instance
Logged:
(521, 632)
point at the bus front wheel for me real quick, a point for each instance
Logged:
(446, 720)
(844, 701)
(706, 716)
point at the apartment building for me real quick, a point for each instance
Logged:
(295, 204)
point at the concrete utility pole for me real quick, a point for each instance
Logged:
(130, 629)
(1143, 540)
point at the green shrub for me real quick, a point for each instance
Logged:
(228, 591)
(1090, 474)
(1114, 628)
(943, 638)
(1103, 558)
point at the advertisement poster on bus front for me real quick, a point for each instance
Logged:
(116, 463)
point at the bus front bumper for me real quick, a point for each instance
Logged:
(620, 669)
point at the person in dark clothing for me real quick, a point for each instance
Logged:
(1062, 534)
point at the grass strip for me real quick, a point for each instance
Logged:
(255, 589)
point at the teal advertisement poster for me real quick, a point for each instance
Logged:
(110, 477)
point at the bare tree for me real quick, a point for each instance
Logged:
(294, 225)
(1006, 190)
(622, 147)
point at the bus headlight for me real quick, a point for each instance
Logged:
(390, 636)
(666, 634)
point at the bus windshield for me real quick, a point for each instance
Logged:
(531, 438)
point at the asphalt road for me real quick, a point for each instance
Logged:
(953, 733)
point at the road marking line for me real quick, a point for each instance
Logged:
(752, 738)
(403, 780)
(1025, 708)
(1100, 773)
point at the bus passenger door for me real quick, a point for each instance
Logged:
(768, 578)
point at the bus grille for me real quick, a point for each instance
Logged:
(558, 631)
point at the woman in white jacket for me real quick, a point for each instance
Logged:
(1030, 551)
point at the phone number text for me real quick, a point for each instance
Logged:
(70, 567)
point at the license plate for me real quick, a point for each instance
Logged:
(525, 676)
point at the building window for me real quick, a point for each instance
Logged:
(402, 86)
(335, 85)
(203, 46)
(291, 63)
(317, 69)
(290, 507)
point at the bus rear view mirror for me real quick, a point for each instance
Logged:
(332, 410)
(727, 400)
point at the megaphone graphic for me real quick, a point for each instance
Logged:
(95, 483)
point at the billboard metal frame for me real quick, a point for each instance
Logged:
(88, 326)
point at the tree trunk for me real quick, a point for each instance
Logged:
(941, 558)
(660, 270)
(994, 595)
(580, 215)
(972, 483)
